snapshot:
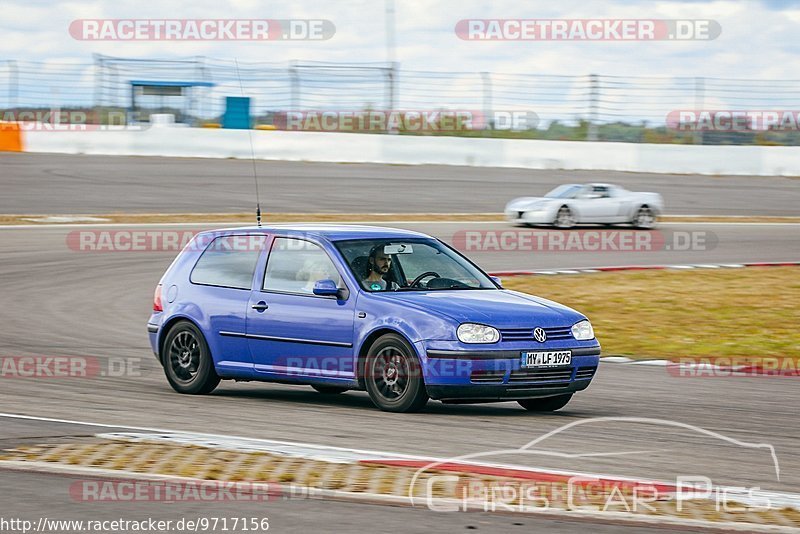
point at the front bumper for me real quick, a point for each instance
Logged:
(529, 217)
(501, 393)
(495, 375)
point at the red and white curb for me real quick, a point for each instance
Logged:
(612, 268)
(421, 463)
(392, 459)
(458, 465)
(288, 490)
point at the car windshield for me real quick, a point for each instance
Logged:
(410, 265)
(564, 191)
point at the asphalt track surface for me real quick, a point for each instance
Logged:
(493, 246)
(61, 302)
(59, 184)
(58, 301)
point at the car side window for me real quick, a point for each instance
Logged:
(295, 265)
(602, 191)
(228, 261)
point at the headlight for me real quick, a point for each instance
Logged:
(583, 331)
(477, 333)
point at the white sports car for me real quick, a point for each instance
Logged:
(571, 204)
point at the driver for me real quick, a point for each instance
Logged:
(378, 265)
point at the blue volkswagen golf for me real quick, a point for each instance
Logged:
(397, 313)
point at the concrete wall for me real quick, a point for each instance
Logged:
(412, 150)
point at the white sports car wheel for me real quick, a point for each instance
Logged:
(564, 218)
(645, 218)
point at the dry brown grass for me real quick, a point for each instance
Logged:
(667, 314)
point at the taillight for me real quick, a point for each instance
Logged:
(157, 307)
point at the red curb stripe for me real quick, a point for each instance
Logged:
(613, 268)
(631, 268)
(772, 264)
(521, 474)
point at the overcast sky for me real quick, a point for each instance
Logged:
(759, 38)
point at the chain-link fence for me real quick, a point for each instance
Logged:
(574, 107)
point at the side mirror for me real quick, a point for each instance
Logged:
(591, 195)
(497, 281)
(326, 288)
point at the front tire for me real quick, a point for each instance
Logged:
(393, 376)
(564, 218)
(187, 360)
(645, 218)
(547, 404)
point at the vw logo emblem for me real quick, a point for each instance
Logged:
(539, 335)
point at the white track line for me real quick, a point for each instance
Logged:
(382, 454)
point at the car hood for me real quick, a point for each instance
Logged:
(524, 203)
(499, 308)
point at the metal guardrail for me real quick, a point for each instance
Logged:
(580, 107)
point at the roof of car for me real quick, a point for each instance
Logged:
(332, 232)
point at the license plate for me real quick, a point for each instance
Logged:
(551, 358)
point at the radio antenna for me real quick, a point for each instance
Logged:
(252, 150)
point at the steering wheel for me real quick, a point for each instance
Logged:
(421, 277)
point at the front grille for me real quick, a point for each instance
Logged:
(526, 334)
(541, 375)
(487, 376)
(585, 373)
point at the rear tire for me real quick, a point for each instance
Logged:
(187, 360)
(328, 390)
(393, 376)
(547, 404)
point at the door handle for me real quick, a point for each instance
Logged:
(261, 306)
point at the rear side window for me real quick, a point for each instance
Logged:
(229, 261)
(295, 265)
